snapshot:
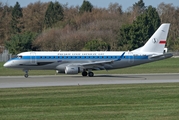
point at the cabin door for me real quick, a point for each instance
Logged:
(33, 58)
(131, 57)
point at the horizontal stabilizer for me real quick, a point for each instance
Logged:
(166, 55)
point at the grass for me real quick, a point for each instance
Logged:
(164, 66)
(124, 102)
(101, 102)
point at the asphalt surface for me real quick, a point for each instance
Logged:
(73, 80)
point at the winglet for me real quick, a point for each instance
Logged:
(120, 57)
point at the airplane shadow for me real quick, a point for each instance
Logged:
(117, 76)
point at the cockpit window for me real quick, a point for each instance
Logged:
(20, 56)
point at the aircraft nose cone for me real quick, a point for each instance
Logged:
(7, 64)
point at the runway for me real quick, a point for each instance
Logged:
(74, 80)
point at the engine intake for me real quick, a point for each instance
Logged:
(72, 70)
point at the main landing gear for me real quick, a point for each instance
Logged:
(26, 75)
(90, 74)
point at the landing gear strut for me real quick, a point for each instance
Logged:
(26, 75)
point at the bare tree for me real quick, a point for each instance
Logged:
(33, 16)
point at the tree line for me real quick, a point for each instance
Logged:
(53, 26)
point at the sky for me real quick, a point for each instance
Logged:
(96, 3)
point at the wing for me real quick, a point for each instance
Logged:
(99, 65)
(94, 65)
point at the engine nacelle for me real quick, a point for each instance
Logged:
(72, 70)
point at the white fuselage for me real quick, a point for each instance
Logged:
(58, 60)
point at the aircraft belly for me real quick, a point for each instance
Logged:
(27, 65)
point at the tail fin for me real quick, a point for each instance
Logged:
(157, 41)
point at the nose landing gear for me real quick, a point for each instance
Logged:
(26, 75)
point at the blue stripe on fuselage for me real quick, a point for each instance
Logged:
(81, 57)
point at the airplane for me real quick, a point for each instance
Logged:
(74, 62)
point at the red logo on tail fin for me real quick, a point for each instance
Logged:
(162, 42)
